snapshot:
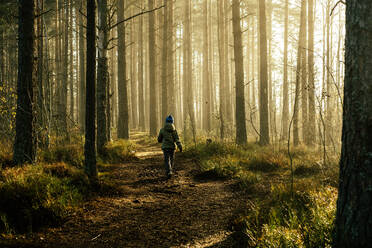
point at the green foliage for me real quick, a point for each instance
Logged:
(6, 155)
(70, 154)
(36, 195)
(276, 217)
(306, 220)
(119, 151)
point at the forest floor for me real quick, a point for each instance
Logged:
(148, 210)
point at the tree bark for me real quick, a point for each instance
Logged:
(264, 114)
(82, 92)
(141, 102)
(102, 76)
(299, 75)
(164, 72)
(221, 49)
(123, 118)
(24, 149)
(241, 132)
(206, 103)
(90, 121)
(311, 119)
(285, 113)
(354, 204)
(152, 65)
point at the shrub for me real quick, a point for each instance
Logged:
(120, 151)
(69, 154)
(33, 196)
(306, 220)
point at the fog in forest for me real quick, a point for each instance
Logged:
(254, 90)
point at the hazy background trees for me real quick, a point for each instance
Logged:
(184, 58)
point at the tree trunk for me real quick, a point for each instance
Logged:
(354, 204)
(164, 71)
(82, 94)
(152, 65)
(123, 120)
(264, 114)
(311, 124)
(40, 73)
(285, 113)
(301, 41)
(24, 149)
(71, 76)
(63, 110)
(206, 103)
(102, 76)
(241, 132)
(221, 49)
(141, 102)
(90, 121)
(304, 75)
(133, 79)
(170, 79)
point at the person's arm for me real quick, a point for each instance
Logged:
(160, 136)
(177, 140)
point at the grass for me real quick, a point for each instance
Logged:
(275, 216)
(33, 196)
(43, 194)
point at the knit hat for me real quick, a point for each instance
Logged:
(169, 119)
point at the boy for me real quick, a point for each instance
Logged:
(168, 136)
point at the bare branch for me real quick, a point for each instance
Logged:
(131, 17)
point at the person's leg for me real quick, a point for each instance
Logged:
(166, 162)
(171, 157)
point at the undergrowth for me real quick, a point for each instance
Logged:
(43, 194)
(33, 196)
(276, 217)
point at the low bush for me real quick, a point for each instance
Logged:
(304, 220)
(6, 155)
(275, 217)
(33, 196)
(69, 154)
(120, 151)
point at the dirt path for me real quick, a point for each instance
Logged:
(150, 211)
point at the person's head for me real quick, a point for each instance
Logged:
(169, 119)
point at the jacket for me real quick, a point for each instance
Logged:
(168, 136)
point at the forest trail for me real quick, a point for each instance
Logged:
(150, 211)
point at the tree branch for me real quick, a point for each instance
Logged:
(131, 17)
(341, 1)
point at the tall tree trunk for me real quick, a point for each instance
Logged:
(311, 118)
(102, 76)
(304, 76)
(221, 49)
(152, 65)
(188, 83)
(123, 120)
(301, 41)
(228, 94)
(24, 149)
(241, 132)
(206, 103)
(164, 71)
(133, 79)
(264, 114)
(40, 73)
(63, 110)
(82, 91)
(285, 113)
(354, 204)
(90, 121)
(170, 79)
(71, 76)
(141, 102)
